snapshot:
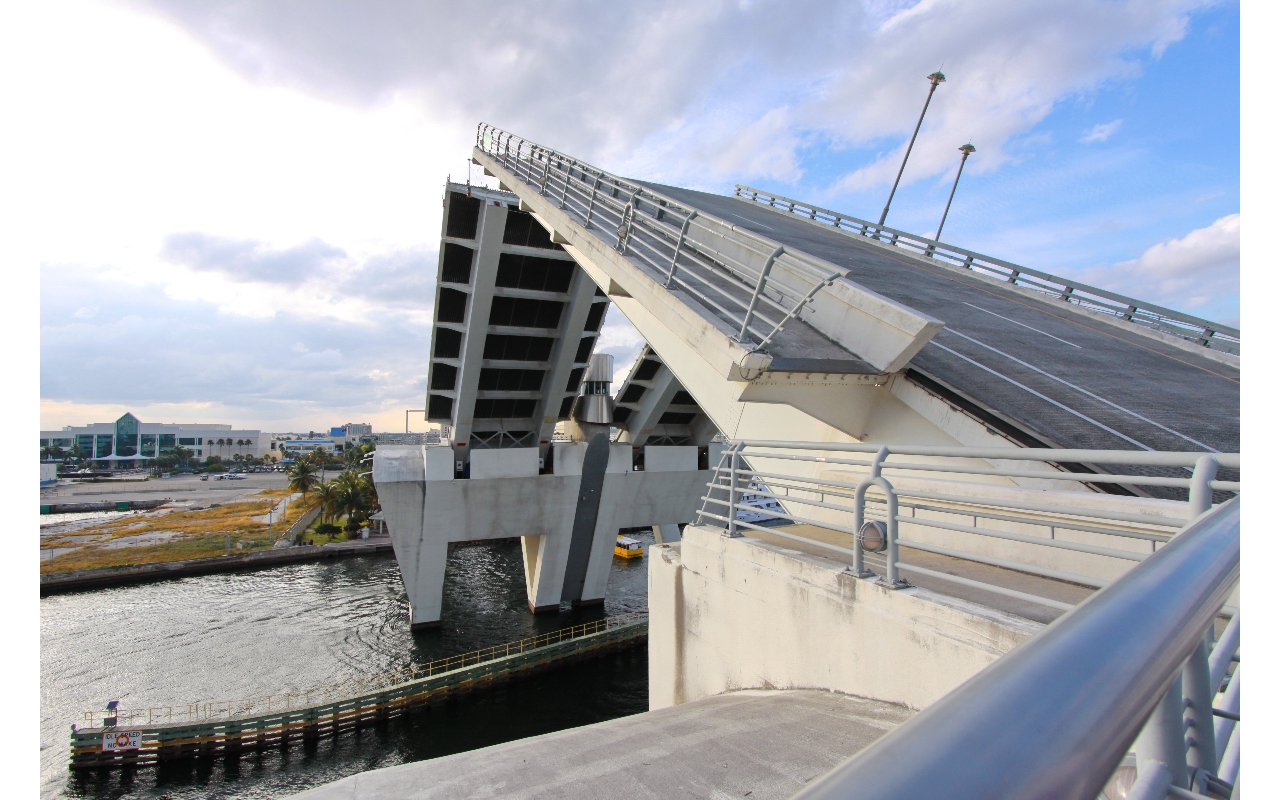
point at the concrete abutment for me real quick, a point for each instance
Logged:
(728, 614)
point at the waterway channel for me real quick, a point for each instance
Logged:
(234, 635)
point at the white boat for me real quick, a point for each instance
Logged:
(762, 507)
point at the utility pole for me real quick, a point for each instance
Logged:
(965, 151)
(934, 79)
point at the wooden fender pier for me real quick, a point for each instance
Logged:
(202, 729)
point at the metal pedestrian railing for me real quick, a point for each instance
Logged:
(1166, 320)
(755, 284)
(1121, 698)
(965, 503)
(354, 687)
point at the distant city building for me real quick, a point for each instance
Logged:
(352, 429)
(293, 448)
(128, 442)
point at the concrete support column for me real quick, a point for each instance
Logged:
(427, 589)
(419, 537)
(544, 562)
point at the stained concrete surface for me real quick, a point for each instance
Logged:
(758, 744)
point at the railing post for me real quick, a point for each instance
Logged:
(735, 461)
(1201, 747)
(859, 514)
(1161, 744)
(591, 206)
(755, 296)
(568, 174)
(684, 229)
(891, 524)
(1200, 496)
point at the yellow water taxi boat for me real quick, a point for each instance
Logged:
(628, 547)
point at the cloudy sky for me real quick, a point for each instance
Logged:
(234, 207)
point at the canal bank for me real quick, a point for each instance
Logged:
(306, 624)
(79, 580)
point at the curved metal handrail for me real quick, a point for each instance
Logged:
(1054, 717)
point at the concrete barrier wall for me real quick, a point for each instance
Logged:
(991, 488)
(728, 614)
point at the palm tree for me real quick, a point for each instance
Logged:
(302, 478)
(327, 499)
(357, 497)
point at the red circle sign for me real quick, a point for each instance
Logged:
(122, 740)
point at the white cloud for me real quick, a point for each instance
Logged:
(205, 184)
(1101, 132)
(705, 90)
(1187, 273)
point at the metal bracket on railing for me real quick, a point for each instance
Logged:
(624, 227)
(755, 296)
(675, 256)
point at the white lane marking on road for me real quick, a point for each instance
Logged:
(1029, 390)
(1028, 327)
(1087, 392)
(752, 221)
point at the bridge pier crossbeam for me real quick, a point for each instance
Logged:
(567, 520)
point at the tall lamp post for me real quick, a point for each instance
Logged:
(934, 79)
(965, 150)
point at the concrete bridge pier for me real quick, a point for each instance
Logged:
(567, 521)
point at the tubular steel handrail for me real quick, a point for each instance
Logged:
(1167, 320)
(1056, 716)
(249, 706)
(755, 284)
(842, 505)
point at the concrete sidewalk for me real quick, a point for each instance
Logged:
(757, 744)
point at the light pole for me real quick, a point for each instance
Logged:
(965, 150)
(934, 79)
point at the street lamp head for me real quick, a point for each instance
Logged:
(937, 78)
(967, 149)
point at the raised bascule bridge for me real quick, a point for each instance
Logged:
(1010, 561)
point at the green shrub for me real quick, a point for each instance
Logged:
(328, 529)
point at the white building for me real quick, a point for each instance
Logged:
(296, 448)
(129, 442)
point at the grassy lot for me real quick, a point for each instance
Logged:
(195, 534)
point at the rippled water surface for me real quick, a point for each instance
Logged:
(234, 635)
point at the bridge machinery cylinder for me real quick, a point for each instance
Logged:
(593, 408)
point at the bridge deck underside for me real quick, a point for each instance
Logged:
(1066, 379)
